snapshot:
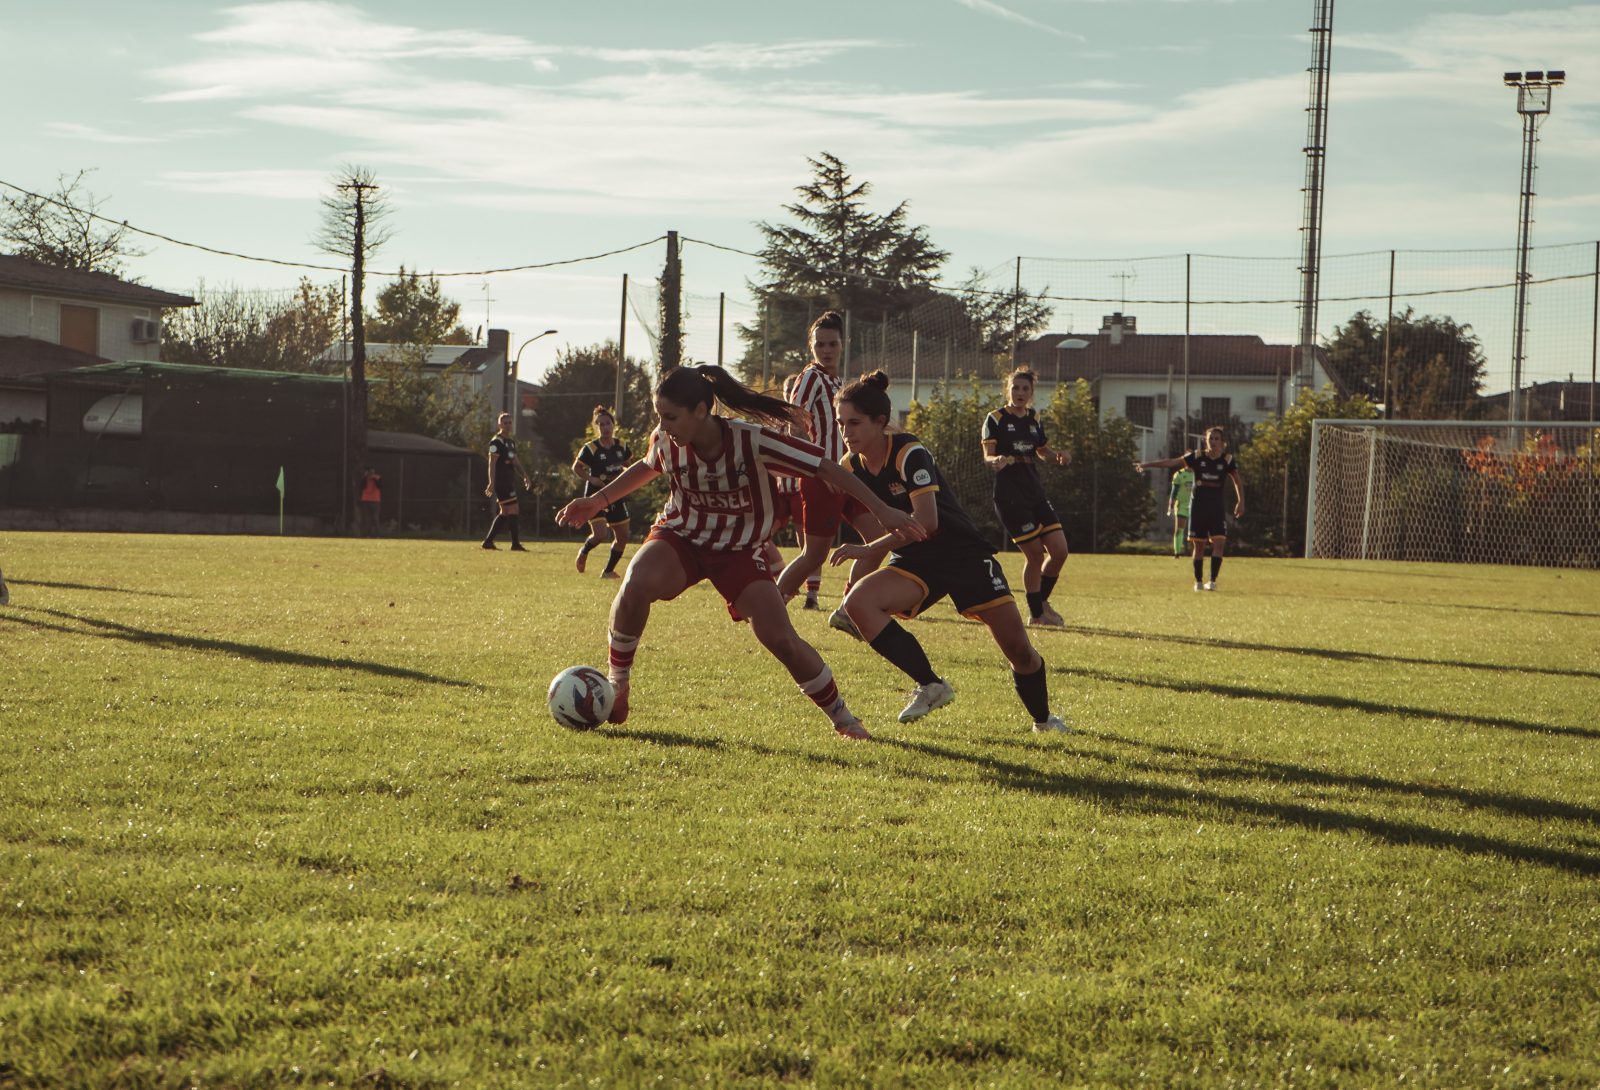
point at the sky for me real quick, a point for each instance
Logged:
(509, 134)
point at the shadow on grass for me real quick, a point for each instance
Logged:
(1178, 801)
(658, 737)
(92, 586)
(111, 630)
(1332, 654)
(1212, 765)
(1319, 700)
(1459, 605)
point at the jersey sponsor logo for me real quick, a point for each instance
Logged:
(736, 501)
(1028, 527)
(896, 488)
(921, 477)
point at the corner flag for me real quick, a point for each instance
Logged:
(280, 501)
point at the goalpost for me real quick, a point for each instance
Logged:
(1450, 490)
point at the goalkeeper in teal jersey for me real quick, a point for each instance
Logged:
(1178, 498)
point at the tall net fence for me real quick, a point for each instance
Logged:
(1453, 491)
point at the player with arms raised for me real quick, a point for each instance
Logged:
(1208, 521)
(717, 518)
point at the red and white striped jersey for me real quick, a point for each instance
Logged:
(728, 502)
(815, 393)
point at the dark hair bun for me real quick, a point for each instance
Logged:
(877, 379)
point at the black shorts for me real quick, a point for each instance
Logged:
(1025, 520)
(973, 580)
(505, 487)
(615, 513)
(1207, 518)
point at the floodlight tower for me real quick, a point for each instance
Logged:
(1316, 154)
(1534, 92)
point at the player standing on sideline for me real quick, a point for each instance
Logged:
(598, 464)
(371, 501)
(953, 559)
(504, 469)
(716, 521)
(1208, 522)
(1013, 443)
(821, 508)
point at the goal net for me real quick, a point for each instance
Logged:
(1493, 493)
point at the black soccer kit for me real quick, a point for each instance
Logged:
(1207, 514)
(503, 449)
(956, 560)
(1019, 497)
(605, 464)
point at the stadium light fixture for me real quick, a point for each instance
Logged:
(1534, 92)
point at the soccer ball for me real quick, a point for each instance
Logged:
(580, 697)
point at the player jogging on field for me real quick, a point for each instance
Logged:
(1178, 498)
(504, 470)
(1013, 442)
(954, 559)
(716, 520)
(821, 508)
(1208, 522)
(597, 464)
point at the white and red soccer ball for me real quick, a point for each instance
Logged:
(580, 697)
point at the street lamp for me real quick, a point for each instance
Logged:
(1069, 344)
(516, 415)
(1534, 92)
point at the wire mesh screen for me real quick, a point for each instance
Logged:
(1453, 491)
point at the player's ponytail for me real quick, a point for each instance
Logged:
(869, 394)
(692, 385)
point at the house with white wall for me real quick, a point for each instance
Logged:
(54, 319)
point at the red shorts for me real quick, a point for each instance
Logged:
(729, 570)
(821, 508)
(785, 510)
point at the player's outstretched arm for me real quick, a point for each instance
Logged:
(630, 480)
(1164, 463)
(893, 520)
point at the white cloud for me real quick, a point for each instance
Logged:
(288, 185)
(73, 130)
(989, 7)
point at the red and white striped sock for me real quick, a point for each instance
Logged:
(621, 652)
(825, 695)
(813, 585)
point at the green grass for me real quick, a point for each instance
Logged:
(288, 811)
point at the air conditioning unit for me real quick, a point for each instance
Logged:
(1263, 402)
(146, 331)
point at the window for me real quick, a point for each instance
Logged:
(1141, 411)
(80, 328)
(1215, 411)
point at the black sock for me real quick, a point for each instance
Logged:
(1047, 583)
(494, 528)
(589, 546)
(901, 648)
(616, 555)
(1199, 567)
(515, 522)
(1035, 602)
(1034, 691)
(1216, 566)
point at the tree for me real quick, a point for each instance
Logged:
(581, 379)
(63, 229)
(1275, 465)
(1436, 367)
(352, 227)
(414, 310)
(1102, 500)
(232, 327)
(406, 398)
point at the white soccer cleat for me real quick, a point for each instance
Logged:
(1050, 617)
(1210, 586)
(1053, 724)
(1199, 586)
(927, 698)
(841, 620)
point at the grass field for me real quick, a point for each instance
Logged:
(291, 812)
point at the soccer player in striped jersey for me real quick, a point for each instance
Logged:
(1208, 520)
(953, 558)
(821, 508)
(716, 521)
(1013, 443)
(598, 463)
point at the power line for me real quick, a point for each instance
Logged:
(125, 225)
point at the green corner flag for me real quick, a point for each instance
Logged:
(280, 501)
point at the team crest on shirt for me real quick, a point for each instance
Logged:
(896, 488)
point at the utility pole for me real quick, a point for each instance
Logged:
(672, 307)
(358, 334)
(1534, 92)
(1316, 155)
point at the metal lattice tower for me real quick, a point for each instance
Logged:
(1316, 154)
